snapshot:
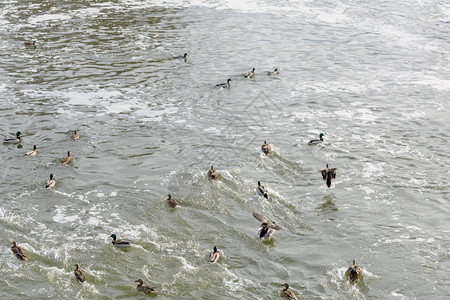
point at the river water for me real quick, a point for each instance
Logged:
(372, 75)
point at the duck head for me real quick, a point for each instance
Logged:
(253, 70)
(215, 249)
(76, 266)
(69, 153)
(13, 244)
(170, 196)
(212, 168)
(228, 80)
(185, 55)
(113, 236)
(259, 183)
(18, 133)
(139, 281)
(52, 176)
(34, 147)
(286, 286)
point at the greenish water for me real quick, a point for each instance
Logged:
(374, 76)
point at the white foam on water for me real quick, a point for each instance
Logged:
(48, 17)
(60, 217)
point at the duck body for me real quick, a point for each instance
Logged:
(315, 142)
(328, 174)
(213, 174)
(224, 85)
(32, 152)
(33, 44)
(184, 56)
(67, 159)
(145, 288)
(18, 252)
(78, 274)
(120, 243)
(214, 256)
(267, 228)
(353, 272)
(262, 191)
(266, 149)
(250, 74)
(75, 135)
(172, 202)
(15, 140)
(274, 72)
(287, 293)
(51, 182)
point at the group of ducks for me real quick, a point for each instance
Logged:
(267, 228)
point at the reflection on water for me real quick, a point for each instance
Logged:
(328, 205)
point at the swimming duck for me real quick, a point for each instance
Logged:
(172, 202)
(31, 152)
(51, 182)
(224, 85)
(213, 174)
(78, 274)
(328, 174)
(181, 56)
(274, 72)
(262, 191)
(75, 135)
(15, 140)
(287, 293)
(33, 43)
(66, 159)
(18, 252)
(266, 148)
(214, 257)
(314, 142)
(267, 228)
(250, 74)
(353, 272)
(145, 288)
(120, 243)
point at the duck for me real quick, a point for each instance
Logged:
(315, 142)
(120, 243)
(66, 159)
(328, 174)
(353, 272)
(51, 182)
(172, 202)
(287, 293)
(267, 228)
(30, 43)
(75, 135)
(262, 191)
(18, 252)
(214, 256)
(78, 274)
(184, 56)
(213, 174)
(274, 72)
(145, 288)
(250, 74)
(266, 148)
(224, 85)
(32, 152)
(15, 140)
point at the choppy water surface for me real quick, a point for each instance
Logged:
(373, 75)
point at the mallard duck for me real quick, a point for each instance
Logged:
(266, 148)
(267, 228)
(181, 56)
(274, 72)
(75, 135)
(18, 252)
(287, 293)
(353, 272)
(51, 182)
(33, 43)
(328, 174)
(172, 202)
(78, 274)
(145, 288)
(15, 140)
(262, 191)
(250, 74)
(66, 159)
(213, 174)
(32, 152)
(120, 243)
(224, 85)
(214, 257)
(315, 142)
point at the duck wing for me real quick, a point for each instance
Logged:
(333, 173)
(260, 218)
(324, 173)
(276, 226)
